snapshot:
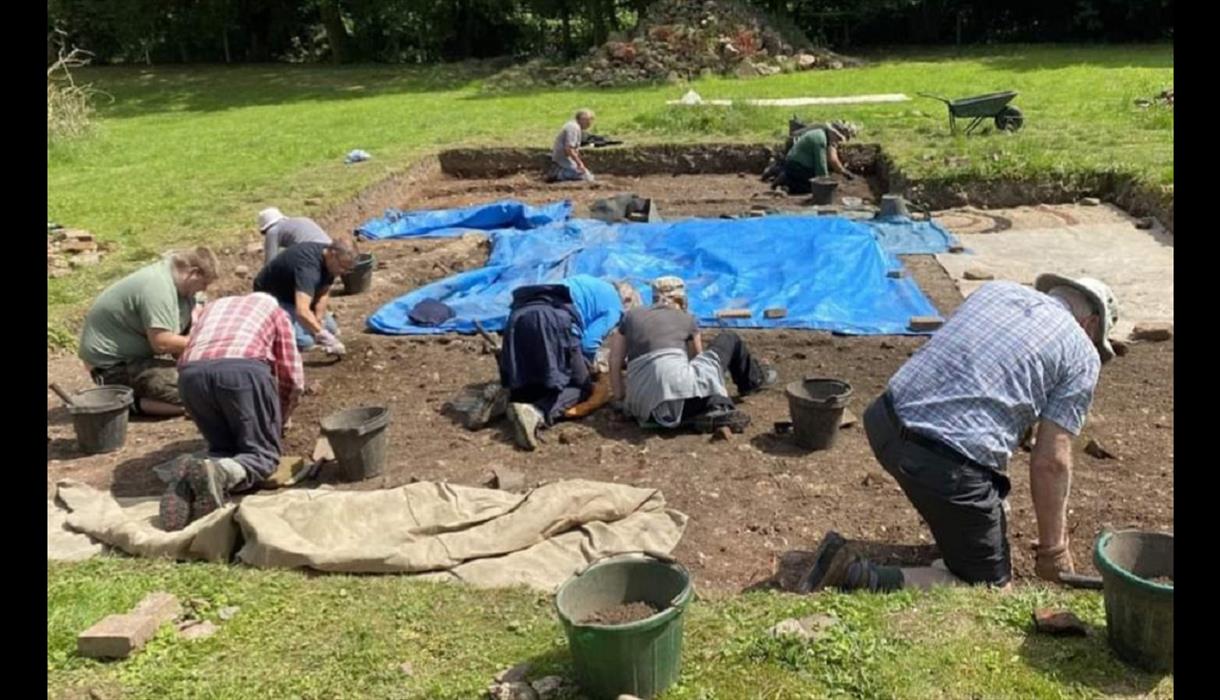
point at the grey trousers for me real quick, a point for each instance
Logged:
(236, 407)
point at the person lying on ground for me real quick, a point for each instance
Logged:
(600, 394)
(241, 377)
(552, 336)
(300, 278)
(950, 419)
(671, 379)
(281, 232)
(566, 163)
(138, 321)
(813, 149)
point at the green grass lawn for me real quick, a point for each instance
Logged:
(189, 155)
(299, 636)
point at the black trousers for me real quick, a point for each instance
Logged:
(235, 405)
(736, 360)
(962, 501)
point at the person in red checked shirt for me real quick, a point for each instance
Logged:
(240, 378)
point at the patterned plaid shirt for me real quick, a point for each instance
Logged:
(251, 327)
(1009, 356)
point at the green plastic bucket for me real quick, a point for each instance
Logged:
(639, 658)
(1139, 612)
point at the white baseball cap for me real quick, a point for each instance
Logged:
(269, 217)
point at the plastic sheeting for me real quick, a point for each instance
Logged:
(828, 272)
(448, 223)
(900, 235)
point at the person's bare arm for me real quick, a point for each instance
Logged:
(618, 356)
(1050, 481)
(836, 165)
(164, 342)
(320, 308)
(574, 154)
(696, 344)
(305, 314)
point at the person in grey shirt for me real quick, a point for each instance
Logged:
(671, 379)
(566, 163)
(281, 231)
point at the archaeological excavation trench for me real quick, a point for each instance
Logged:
(754, 497)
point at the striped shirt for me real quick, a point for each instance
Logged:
(1008, 357)
(251, 327)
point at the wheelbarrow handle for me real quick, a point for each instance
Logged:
(935, 97)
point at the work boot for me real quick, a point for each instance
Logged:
(731, 418)
(525, 419)
(176, 505)
(208, 484)
(600, 396)
(832, 559)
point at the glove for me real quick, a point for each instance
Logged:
(849, 176)
(1050, 561)
(330, 344)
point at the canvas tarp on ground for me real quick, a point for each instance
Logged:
(828, 272)
(436, 530)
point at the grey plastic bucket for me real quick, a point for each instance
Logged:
(360, 278)
(99, 416)
(823, 190)
(358, 438)
(816, 406)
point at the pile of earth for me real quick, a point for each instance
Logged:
(681, 40)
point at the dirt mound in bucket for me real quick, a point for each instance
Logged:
(681, 40)
(621, 614)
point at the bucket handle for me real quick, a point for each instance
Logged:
(655, 554)
(658, 555)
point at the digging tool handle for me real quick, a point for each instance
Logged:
(1092, 583)
(63, 395)
(924, 94)
(491, 342)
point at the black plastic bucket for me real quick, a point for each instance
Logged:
(822, 190)
(816, 407)
(360, 278)
(100, 418)
(358, 439)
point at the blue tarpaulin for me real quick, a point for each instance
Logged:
(828, 272)
(900, 235)
(445, 223)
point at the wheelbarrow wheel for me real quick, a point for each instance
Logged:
(1009, 119)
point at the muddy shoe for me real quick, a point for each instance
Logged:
(831, 562)
(176, 506)
(207, 483)
(525, 419)
(734, 420)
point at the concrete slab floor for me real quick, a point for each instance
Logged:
(1075, 240)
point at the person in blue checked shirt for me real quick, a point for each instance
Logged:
(951, 417)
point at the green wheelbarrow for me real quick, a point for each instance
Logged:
(994, 105)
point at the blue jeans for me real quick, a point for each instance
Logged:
(305, 339)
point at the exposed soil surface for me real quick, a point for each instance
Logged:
(749, 498)
(621, 614)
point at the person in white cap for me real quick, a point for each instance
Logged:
(281, 231)
(953, 415)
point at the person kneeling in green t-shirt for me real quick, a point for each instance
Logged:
(813, 150)
(139, 320)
